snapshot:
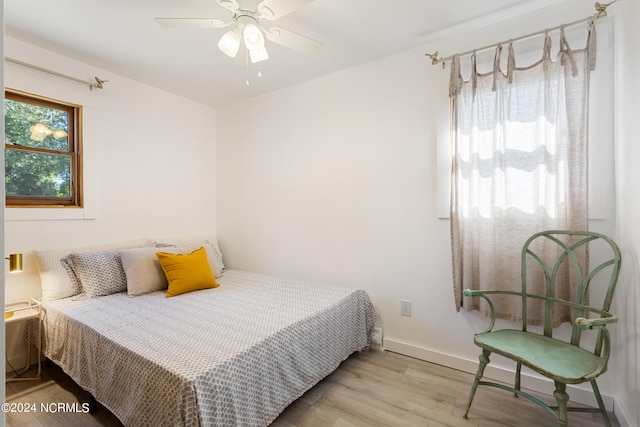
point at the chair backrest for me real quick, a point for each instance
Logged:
(553, 259)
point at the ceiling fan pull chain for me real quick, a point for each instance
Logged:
(246, 61)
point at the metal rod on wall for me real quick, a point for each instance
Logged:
(601, 11)
(97, 84)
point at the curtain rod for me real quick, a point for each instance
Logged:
(601, 11)
(98, 83)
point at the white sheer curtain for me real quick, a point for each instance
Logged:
(519, 163)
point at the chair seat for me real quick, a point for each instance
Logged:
(550, 357)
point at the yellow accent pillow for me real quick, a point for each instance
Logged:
(187, 272)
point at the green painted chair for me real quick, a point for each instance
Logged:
(563, 361)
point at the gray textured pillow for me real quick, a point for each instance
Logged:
(56, 282)
(99, 273)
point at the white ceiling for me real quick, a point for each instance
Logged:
(120, 36)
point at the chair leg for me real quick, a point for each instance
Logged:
(517, 385)
(603, 410)
(562, 398)
(484, 361)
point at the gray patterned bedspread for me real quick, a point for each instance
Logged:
(234, 355)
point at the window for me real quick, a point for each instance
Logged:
(519, 166)
(43, 160)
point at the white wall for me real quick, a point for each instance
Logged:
(627, 304)
(336, 179)
(331, 179)
(149, 166)
(2, 281)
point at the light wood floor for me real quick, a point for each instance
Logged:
(368, 389)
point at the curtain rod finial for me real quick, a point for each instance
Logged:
(434, 57)
(601, 8)
(100, 82)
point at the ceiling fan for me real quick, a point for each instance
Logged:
(246, 23)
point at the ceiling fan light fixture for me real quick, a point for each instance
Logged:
(246, 18)
(253, 37)
(230, 43)
(59, 133)
(39, 132)
(259, 55)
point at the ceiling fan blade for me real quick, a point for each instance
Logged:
(292, 40)
(192, 22)
(232, 5)
(274, 9)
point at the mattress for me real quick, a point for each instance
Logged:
(234, 355)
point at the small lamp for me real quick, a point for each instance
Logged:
(15, 263)
(15, 266)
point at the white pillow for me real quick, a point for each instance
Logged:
(55, 280)
(143, 270)
(185, 246)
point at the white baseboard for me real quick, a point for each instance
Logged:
(530, 380)
(624, 418)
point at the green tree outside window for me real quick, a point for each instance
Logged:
(41, 151)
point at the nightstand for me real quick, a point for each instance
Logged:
(25, 309)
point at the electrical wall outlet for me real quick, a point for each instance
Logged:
(405, 308)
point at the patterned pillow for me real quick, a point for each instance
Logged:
(55, 281)
(99, 273)
(66, 264)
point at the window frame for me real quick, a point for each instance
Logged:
(74, 152)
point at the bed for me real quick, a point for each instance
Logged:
(237, 354)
